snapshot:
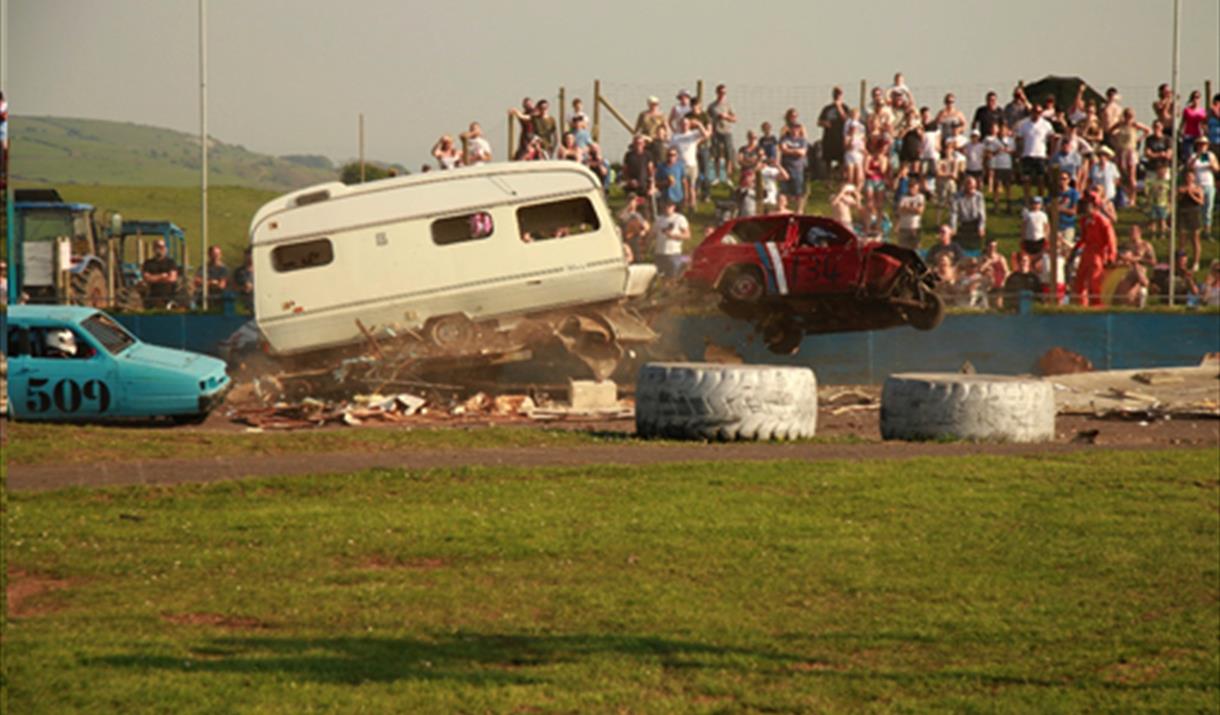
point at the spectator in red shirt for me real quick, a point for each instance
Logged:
(1194, 119)
(1100, 247)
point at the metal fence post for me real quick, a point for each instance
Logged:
(511, 127)
(597, 110)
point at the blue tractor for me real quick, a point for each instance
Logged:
(61, 252)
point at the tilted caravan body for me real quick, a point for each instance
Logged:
(487, 245)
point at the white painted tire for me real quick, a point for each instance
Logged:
(707, 401)
(921, 406)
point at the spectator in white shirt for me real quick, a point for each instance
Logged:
(772, 173)
(976, 153)
(690, 133)
(1034, 227)
(910, 215)
(478, 149)
(1000, 148)
(1034, 132)
(672, 230)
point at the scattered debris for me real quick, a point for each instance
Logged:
(1159, 377)
(590, 395)
(1086, 436)
(1121, 394)
(312, 412)
(713, 352)
(855, 408)
(1059, 361)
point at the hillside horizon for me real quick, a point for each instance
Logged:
(71, 150)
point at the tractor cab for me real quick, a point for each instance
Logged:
(135, 243)
(61, 253)
(55, 253)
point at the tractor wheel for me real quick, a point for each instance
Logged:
(89, 288)
(129, 300)
(744, 285)
(931, 314)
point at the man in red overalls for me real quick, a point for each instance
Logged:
(1100, 248)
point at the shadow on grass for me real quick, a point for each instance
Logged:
(472, 658)
(508, 659)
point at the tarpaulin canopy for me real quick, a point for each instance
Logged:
(1063, 89)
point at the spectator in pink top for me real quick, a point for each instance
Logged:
(1194, 118)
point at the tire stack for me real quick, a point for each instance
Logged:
(929, 406)
(705, 401)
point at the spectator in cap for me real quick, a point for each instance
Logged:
(1034, 227)
(650, 124)
(1102, 173)
(679, 110)
(1203, 164)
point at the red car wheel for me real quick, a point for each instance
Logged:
(744, 285)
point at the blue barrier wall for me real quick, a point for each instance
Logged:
(200, 333)
(993, 343)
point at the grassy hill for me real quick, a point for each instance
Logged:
(61, 151)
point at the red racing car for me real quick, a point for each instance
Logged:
(796, 275)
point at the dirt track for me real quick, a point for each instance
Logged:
(862, 426)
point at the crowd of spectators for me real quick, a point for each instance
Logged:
(162, 280)
(900, 167)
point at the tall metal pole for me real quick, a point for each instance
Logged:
(203, 145)
(10, 236)
(1173, 172)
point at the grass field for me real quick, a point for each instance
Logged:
(1078, 583)
(33, 443)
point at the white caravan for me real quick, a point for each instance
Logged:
(446, 255)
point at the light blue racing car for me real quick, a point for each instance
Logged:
(68, 363)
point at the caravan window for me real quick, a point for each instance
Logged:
(557, 219)
(306, 254)
(459, 229)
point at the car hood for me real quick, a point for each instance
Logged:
(180, 360)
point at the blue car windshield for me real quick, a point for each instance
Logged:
(110, 334)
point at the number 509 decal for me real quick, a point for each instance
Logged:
(67, 395)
